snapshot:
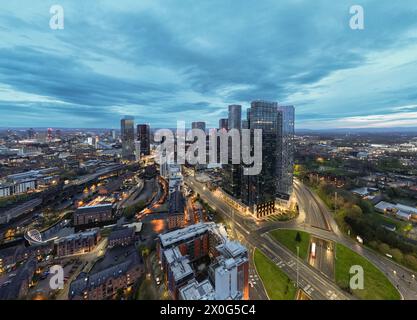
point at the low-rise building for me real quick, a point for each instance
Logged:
(93, 215)
(118, 270)
(77, 243)
(176, 210)
(401, 211)
(122, 236)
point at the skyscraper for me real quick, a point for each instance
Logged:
(127, 132)
(232, 172)
(199, 125)
(285, 168)
(261, 191)
(31, 133)
(144, 136)
(223, 124)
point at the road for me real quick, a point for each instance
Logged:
(324, 258)
(319, 222)
(310, 279)
(401, 277)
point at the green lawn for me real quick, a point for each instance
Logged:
(276, 282)
(287, 238)
(376, 285)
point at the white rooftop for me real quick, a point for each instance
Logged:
(198, 291)
(175, 236)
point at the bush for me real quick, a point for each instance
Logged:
(396, 254)
(410, 261)
(383, 248)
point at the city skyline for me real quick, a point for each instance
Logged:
(130, 58)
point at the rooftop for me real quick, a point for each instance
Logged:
(198, 291)
(179, 264)
(183, 234)
(75, 236)
(96, 208)
(122, 233)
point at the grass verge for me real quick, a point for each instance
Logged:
(289, 239)
(376, 284)
(277, 284)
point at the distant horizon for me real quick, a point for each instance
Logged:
(364, 130)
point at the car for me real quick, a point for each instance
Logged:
(251, 284)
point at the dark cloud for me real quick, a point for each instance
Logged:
(163, 60)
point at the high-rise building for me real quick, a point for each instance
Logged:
(235, 117)
(227, 263)
(232, 172)
(285, 169)
(127, 132)
(138, 150)
(199, 125)
(49, 134)
(31, 133)
(223, 124)
(144, 136)
(261, 191)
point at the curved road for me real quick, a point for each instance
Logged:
(310, 280)
(400, 277)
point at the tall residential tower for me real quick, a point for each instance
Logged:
(127, 132)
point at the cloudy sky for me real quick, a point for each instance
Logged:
(163, 61)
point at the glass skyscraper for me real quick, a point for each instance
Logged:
(232, 172)
(274, 182)
(127, 132)
(144, 136)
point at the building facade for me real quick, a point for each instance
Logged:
(259, 192)
(232, 172)
(228, 266)
(91, 215)
(77, 243)
(144, 136)
(285, 163)
(127, 132)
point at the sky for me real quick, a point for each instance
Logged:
(163, 61)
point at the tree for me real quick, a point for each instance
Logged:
(383, 248)
(373, 244)
(355, 212)
(366, 206)
(410, 261)
(131, 211)
(396, 254)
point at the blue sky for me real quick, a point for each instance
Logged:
(163, 61)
